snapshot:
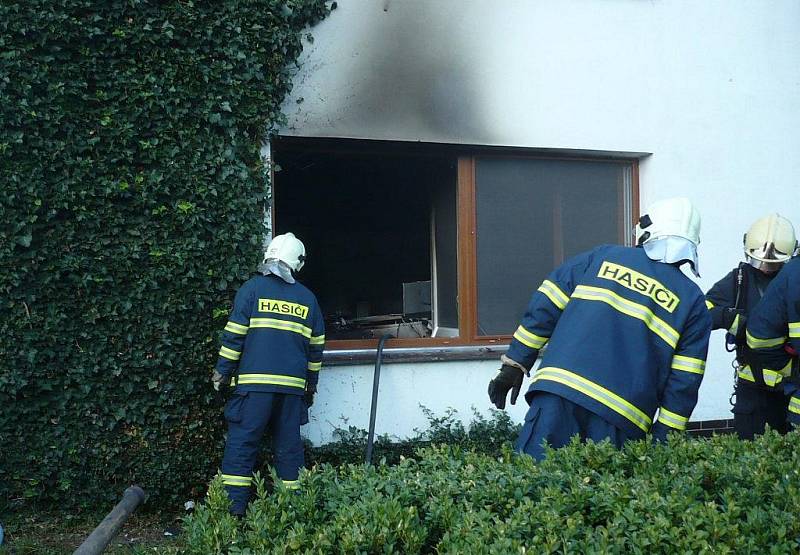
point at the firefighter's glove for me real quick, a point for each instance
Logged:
(735, 321)
(659, 433)
(308, 396)
(507, 378)
(220, 382)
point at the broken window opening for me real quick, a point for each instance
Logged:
(380, 236)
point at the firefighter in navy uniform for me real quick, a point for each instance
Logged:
(773, 335)
(768, 245)
(271, 355)
(626, 334)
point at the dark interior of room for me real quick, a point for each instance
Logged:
(365, 219)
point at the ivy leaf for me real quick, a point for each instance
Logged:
(24, 240)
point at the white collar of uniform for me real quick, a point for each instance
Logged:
(278, 268)
(672, 249)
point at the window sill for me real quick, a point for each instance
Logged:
(343, 357)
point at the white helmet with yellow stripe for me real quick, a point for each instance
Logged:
(770, 242)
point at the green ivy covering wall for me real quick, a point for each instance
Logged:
(131, 207)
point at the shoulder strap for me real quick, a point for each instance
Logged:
(739, 284)
(740, 302)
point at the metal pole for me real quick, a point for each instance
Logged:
(101, 536)
(374, 407)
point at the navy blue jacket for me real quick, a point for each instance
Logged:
(723, 295)
(774, 325)
(274, 337)
(626, 336)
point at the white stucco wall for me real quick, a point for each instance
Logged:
(345, 394)
(711, 88)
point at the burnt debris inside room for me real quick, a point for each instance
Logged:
(379, 225)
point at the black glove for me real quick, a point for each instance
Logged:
(729, 317)
(220, 382)
(308, 397)
(508, 377)
(221, 385)
(659, 433)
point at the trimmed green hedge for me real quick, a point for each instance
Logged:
(481, 435)
(691, 496)
(131, 207)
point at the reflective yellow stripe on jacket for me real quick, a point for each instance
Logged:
(771, 377)
(671, 419)
(794, 330)
(271, 379)
(635, 310)
(238, 329)
(794, 405)
(688, 364)
(758, 343)
(233, 480)
(596, 392)
(530, 339)
(284, 325)
(734, 329)
(230, 354)
(554, 293)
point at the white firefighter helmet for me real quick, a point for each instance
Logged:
(288, 249)
(770, 242)
(672, 217)
(669, 231)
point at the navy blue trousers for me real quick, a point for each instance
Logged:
(249, 414)
(792, 392)
(756, 407)
(554, 420)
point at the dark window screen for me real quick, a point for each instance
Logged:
(531, 216)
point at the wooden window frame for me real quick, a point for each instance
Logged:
(466, 224)
(468, 244)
